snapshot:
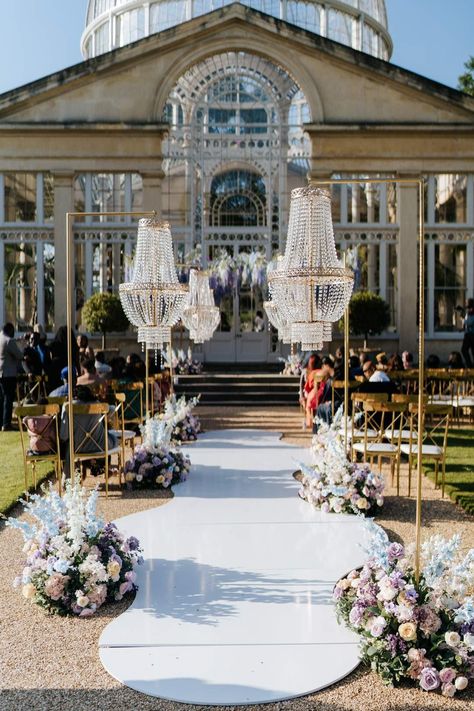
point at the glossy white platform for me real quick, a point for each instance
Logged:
(234, 605)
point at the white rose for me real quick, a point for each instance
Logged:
(461, 683)
(469, 640)
(113, 569)
(139, 477)
(344, 584)
(82, 600)
(452, 639)
(28, 591)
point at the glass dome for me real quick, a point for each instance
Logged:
(361, 24)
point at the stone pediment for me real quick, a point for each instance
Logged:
(130, 85)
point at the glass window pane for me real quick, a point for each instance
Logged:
(20, 197)
(48, 197)
(20, 285)
(102, 39)
(450, 286)
(131, 26)
(450, 198)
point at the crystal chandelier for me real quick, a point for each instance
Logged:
(311, 288)
(154, 299)
(200, 316)
(275, 318)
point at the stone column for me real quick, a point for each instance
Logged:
(63, 203)
(408, 267)
(152, 191)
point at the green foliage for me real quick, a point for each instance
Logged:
(12, 474)
(466, 80)
(368, 314)
(103, 313)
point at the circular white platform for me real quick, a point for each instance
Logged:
(234, 605)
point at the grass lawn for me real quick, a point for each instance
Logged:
(459, 468)
(12, 476)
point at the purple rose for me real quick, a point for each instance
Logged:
(395, 551)
(429, 679)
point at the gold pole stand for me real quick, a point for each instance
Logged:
(71, 309)
(420, 183)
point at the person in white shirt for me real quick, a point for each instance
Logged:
(101, 366)
(373, 375)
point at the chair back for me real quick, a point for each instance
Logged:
(338, 386)
(133, 405)
(90, 427)
(435, 426)
(407, 399)
(30, 387)
(39, 437)
(381, 416)
(57, 400)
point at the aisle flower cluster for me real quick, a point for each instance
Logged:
(293, 364)
(422, 631)
(156, 463)
(75, 561)
(332, 483)
(183, 362)
(178, 412)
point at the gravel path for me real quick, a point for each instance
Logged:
(52, 663)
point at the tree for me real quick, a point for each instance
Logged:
(466, 80)
(368, 314)
(103, 313)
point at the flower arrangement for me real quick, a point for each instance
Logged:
(155, 463)
(186, 426)
(293, 364)
(423, 632)
(183, 363)
(332, 483)
(75, 562)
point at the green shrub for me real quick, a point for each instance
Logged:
(369, 314)
(103, 313)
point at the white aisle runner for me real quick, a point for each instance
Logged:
(234, 605)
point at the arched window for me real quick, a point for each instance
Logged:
(238, 199)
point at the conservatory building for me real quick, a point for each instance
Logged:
(211, 112)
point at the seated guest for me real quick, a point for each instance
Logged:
(433, 361)
(355, 367)
(408, 361)
(373, 375)
(314, 388)
(381, 361)
(101, 366)
(88, 375)
(85, 350)
(324, 409)
(307, 374)
(455, 361)
(395, 362)
(93, 424)
(62, 390)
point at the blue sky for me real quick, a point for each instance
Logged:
(37, 37)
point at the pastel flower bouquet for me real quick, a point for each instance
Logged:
(185, 425)
(156, 463)
(75, 562)
(183, 363)
(332, 483)
(293, 364)
(423, 632)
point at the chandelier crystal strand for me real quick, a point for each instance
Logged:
(200, 316)
(275, 318)
(311, 287)
(154, 299)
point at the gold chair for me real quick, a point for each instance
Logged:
(133, 405)
(433, 431)
(123, 435)
(338, 387)
(41, 422)
(92, 442)
(57, 400)
(406, 434)
(375, 418)
(354, 432)
(30, 387)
